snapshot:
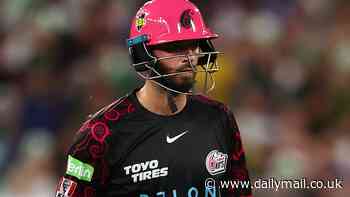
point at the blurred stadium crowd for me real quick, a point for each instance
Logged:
(285, 74)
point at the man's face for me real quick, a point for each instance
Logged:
(184, 81)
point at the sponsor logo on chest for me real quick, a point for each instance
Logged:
(145, 171)
(216, 162)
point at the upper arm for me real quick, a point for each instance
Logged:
(238, 169)
(86, 171)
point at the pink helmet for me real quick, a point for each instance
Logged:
(168, 21)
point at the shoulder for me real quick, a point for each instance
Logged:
(208, 103)
(101, 121)
(115, 110)
(94, 136)
(215, 108)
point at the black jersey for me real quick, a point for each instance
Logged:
(126, 150)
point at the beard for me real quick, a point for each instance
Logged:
(179, 82)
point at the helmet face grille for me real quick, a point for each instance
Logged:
(146, 66)
(140, 56)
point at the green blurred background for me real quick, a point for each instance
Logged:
(285, 74)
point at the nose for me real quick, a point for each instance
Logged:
(192, 50)
(191, 55)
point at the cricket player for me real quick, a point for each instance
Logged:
(165, 138)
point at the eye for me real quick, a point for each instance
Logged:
(179, 47)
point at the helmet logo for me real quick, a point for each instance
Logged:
(140, 21)
(186, 18)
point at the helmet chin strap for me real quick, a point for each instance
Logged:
(171, 102)
(170, 94)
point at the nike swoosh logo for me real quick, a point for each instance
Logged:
(170, 140)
